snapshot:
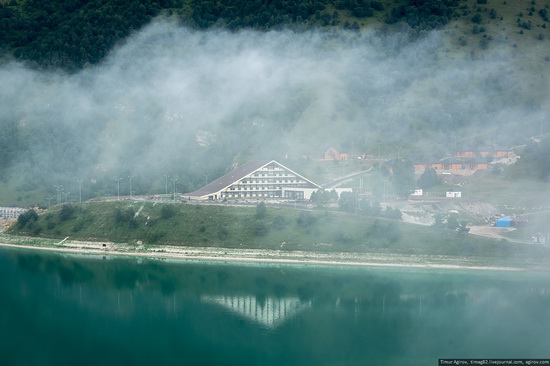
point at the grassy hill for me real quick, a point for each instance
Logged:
(148, 223)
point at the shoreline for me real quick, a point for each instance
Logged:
(259, 256)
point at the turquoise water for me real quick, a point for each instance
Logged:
(61, 310)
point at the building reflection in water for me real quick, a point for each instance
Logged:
(269, 312)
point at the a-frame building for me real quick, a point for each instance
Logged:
(257, 180)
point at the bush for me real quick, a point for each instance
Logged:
(261, 210)
(392, 213)
(126, 216)
(347, 201)
(154, 237)
(27, 217)
(279, 222)
(67, 212)
(260, 229)
(79, 225)
(305, 218)
(167, 211)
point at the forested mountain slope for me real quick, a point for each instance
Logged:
(70, 34)
(96, 92)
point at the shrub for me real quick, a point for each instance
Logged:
(26, 217)
(305, 218)
(260, 229)
(79, 225)
(124, 215)
(154, 237)
(167, 211)
(67, 212)
(261, 210)
(279, 222)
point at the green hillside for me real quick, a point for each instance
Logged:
(147, 223)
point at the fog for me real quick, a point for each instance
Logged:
(177, 102)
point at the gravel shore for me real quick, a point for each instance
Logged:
(104, 249)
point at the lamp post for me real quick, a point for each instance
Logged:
(49, 201)
(130, 177)
(58, 190)
(80, 190)
(166, 186)
(174, 189)
(118, 188)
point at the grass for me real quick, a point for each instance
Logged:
(517, 196)
(281, 229)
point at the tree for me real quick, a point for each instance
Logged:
(261, 211)
(428, 179)
(67, 212)
(305, 218)
(403, 177)
(392, 213)
(25, 218)
(167, 211)
(476, 19)
(322, 197)
(347, 201)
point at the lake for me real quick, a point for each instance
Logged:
(57, 309)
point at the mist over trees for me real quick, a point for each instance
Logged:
(167, 104)
(69, 34)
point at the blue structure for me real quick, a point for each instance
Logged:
(504, 222)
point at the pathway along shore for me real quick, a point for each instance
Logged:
(207, 254)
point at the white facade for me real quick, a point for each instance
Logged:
(257, 180)
(11, 213)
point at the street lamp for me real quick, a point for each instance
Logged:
(58, 192)
(130, 176)
(118, 188)
(165, 186)
(49, 201)
(174, 189)
(79, 190)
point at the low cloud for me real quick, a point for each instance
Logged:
(177, 101)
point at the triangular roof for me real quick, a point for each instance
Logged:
(236, 175)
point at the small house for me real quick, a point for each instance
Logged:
(333, 154)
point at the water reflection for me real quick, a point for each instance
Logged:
(269, 312)
(148, 311)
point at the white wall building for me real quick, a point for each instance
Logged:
(257, 180)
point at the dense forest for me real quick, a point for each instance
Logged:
(70, 34)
